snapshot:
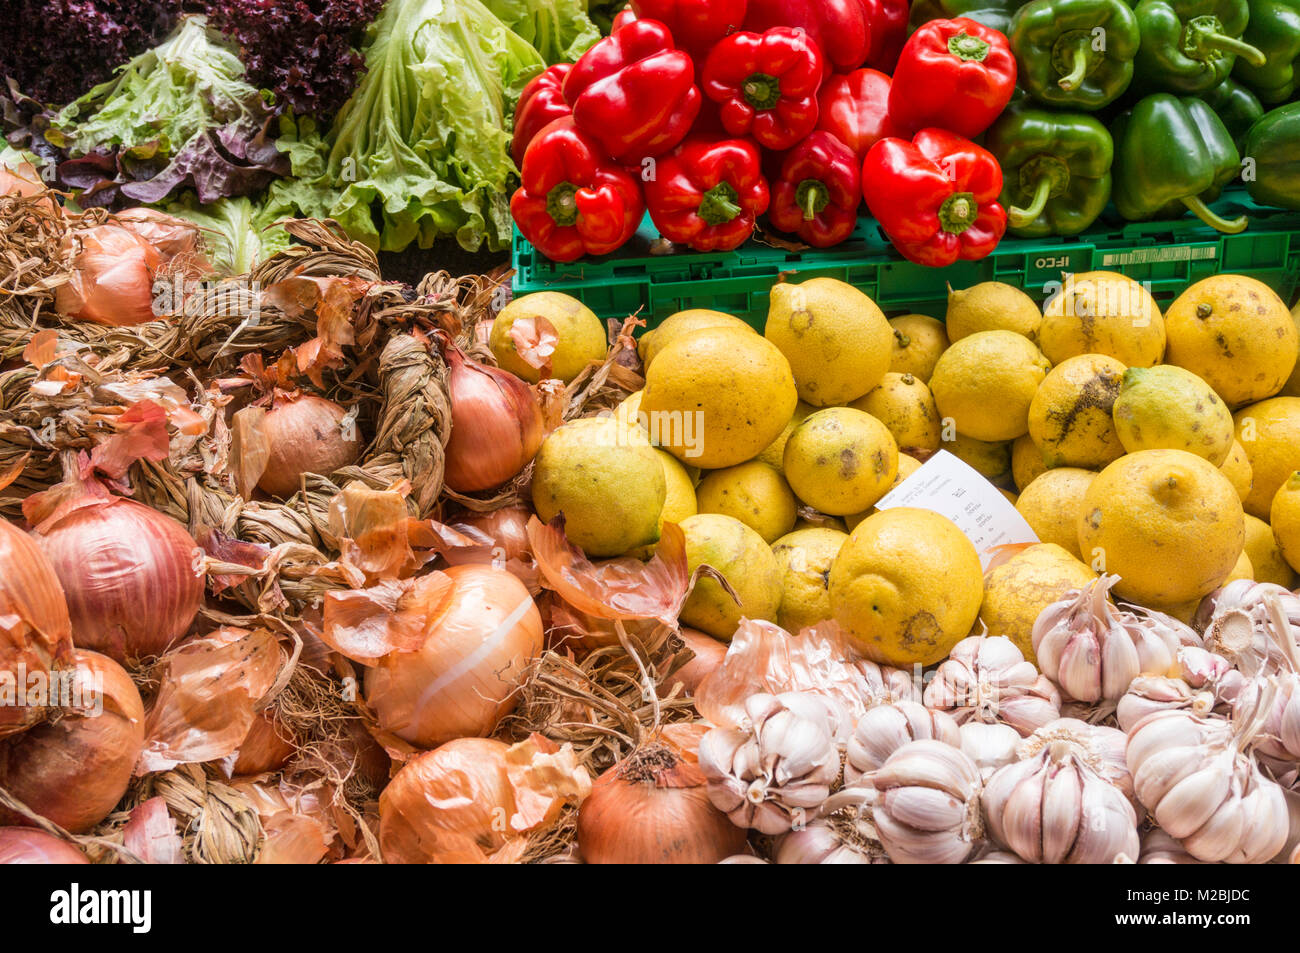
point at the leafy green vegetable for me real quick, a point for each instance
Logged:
(237, 234)
(558, 29)
(422, 149)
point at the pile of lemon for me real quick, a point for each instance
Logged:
(1158, 446)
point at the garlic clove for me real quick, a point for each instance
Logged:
(989, 746)
(1062, 809)
(906, 846)
(1078, 672)
(1158, 732)
(1219, 837)
(1190, 802)
(1119, 663)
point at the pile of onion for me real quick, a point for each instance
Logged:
(496, 424)
(301, 434)
(129, 573)
(481, 630)
(654, 808)
(27, 845)
(75, 766)
(112, 277)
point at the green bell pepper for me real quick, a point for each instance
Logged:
(1272, 151)
(1055, 170)
(992, 13)
(1075, 53)
(1190, 46)
(1274, 27)
(1171, 153)
(1237, 106)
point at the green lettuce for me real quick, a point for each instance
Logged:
(558, 29)
(422, 149)
(238, 234)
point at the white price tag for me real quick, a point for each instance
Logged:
(951, 488)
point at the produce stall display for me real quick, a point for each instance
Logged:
(944, 506)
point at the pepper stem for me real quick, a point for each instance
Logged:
(967, 47)
(718, 205)
(1202, 211)
(562, 205)
(1020, 217)
(761, 90)
(1230, 44)
(958, 212)
(812, 196)
(1076, 57)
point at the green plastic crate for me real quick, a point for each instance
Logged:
(1168, 255)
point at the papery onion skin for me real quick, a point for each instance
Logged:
(464, 679)
(448, 805)
(265, 748)
(73, 769)
(35, 630)
(170, 236)
(112, 279)
(654, 808)
(306, 435)
(27, 845)
(496, 424)
(129, 573)
(508, 527)
(709, 653)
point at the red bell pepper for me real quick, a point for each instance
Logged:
(887, 22)
(706, 193)
(854, 107)
(838, 27)
(766, 84)
(818, 193)
(621, 19)
(574, 200)
(540, 104)
(936, 197)
(954, 74)
(696, 25)
(635, 92)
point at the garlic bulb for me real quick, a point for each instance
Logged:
(1235, 624)
(986, 678)
(989, 746)
(1159, 848)
(1093, 650)
(1055, 808)
(884, 729)
(924, 801)
(1100, 747)
(1202, 787)
(882, 683)
(775, 771)
(845, 836)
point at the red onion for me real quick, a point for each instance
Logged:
(27, 845)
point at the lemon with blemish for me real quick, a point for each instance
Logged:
(985, 383)
(744, 560)
(918, 342)
(805, 557)
(840, 460)
(1070, 417)
(754, 493)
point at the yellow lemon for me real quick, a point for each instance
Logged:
(918, 342)
(1167, 522)
(680, 324)
(753, 493)
(744, 560)
(1237, 469)
(1027, 461)
(1284, 517)
(679, 502)
(837, 341)
(774, 453)
(610, 488)
(1070, 417)
(1266, 555)
(991, 306)
(805, 557)
(906, 467)
(1236, 334)
(1053, 503)
(1243, 568)
(985, 383)
(718, 396)
(579, 337)
(628, 412)
(906, 586)
(991, 460)
(1016, 592)
(1102, 312)
(840, 460)
(1170, 408)
(905, 405)
(1292, 387)
(1269, 432)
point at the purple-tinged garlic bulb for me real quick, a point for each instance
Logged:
(884, 729)
(1234, 622)
(987, 679)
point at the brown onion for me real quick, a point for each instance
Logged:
(265, 748)
(708, 655)
(27, 845)
(130, 574)
(305, 434)
(653, 808)
(496, 424)
(35, 632)
(74, 768)
(482, 634)
(506, 527)
(112, 277)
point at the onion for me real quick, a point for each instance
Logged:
(653, 808)
(170, 236)
(35, 631)
(129, 574)
(496, 424)
(27, 845)
(481, 634)
(264, 748)
(506, 527)
(305, 434)
(74, 768)
(112, 278)
(709, 653)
